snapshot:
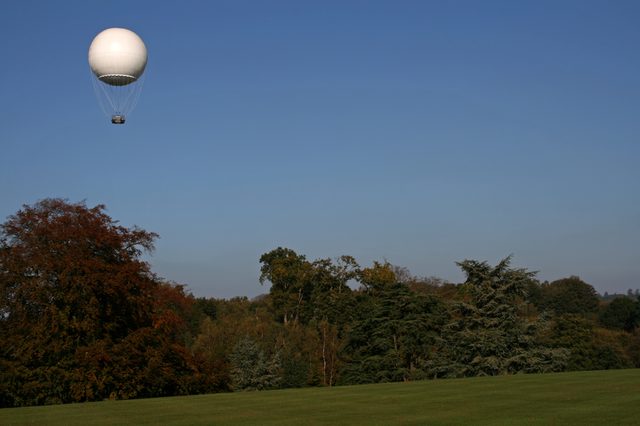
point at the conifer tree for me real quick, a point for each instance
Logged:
(487, 336)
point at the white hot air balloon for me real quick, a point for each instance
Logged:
(117, 58)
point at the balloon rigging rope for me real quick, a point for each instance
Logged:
(117, 100)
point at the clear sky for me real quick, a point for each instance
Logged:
(421, 132)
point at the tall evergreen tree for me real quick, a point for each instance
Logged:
(487, 336)
(394, 332)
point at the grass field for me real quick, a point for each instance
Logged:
(597, 398)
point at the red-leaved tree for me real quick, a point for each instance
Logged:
(81, 315)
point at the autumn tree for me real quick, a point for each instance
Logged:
(81, 315)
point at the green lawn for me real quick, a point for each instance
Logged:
(598, 398)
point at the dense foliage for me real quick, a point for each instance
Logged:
(487, 335)
(83, 318)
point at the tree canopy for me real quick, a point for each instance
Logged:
(81, 315)
(82, 318)
(488, 335)
(569, 296)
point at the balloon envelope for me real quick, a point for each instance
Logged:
(117, 56)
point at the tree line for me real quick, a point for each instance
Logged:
(83, 318)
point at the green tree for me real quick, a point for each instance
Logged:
(331, 299)
(487, 335)
(236, 318)
(207, 306)
(251, 370)
(394, 332)
(589, 347)
(622, 313)
(331, 307)
(312, 294)
(290, 277)
(298, 346)
(569, 296)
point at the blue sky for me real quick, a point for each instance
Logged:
(422, 132)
